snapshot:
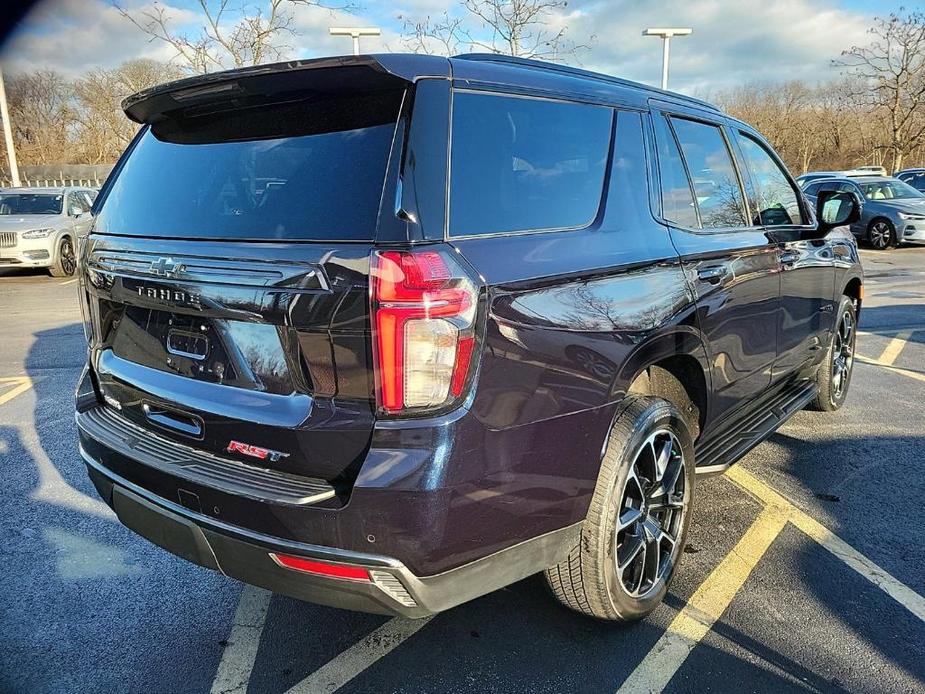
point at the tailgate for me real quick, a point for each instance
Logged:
(263, 360)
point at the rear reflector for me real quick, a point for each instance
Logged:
(318, 568)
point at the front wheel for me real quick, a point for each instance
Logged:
(881, 234)
(634, 533)
(66, 262)
(834, 375)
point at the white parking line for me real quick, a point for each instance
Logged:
(341, 669)
(234, 669)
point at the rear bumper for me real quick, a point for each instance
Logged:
(245, 555)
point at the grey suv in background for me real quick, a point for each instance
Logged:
(39, 227)
(893, 212)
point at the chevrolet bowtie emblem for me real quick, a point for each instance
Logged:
(165, 267)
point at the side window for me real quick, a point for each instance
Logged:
(627, 191)
(719, 196)
(76, 204)
(776, 202)
(90, 196)
(812, 188)
(677, 199)
(524, 164)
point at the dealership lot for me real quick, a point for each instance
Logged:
(805, 565)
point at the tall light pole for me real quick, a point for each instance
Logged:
(666, 36)
(8, 134)
(355, 33)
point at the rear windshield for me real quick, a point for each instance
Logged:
(313, 170)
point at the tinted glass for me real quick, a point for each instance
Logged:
(813, 188)
(525, 164)
(677, 198)
(424, 174)
(30, 203)
(774, 201)
(889, 190)
(917, 180)
(627, 192)
(719, 196)
(311, 170)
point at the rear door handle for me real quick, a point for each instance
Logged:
(185, 424)
(714, 274)
(789, 258)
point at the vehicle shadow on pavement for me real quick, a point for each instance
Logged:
(876, 319)
(104, 606)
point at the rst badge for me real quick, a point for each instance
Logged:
(255, 451)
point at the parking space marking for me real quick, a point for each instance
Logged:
(714, 595)
(895, 346)
(234, 669)
(21, 385)
(895, 369)
(63, 284)
(706, 606)
(892, 586)
(342, 668)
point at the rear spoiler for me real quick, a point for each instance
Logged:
(281, 81)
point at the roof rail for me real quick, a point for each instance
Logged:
(579, 72)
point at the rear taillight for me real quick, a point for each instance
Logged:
(424, 309)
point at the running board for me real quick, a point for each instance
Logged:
(737, 437)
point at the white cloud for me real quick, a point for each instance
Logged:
(734, 41)
(73, 36)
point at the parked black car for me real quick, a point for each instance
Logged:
(391, 332)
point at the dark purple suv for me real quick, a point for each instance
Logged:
(391, 332)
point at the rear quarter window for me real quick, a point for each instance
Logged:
(525, 164)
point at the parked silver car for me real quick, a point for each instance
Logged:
(893, 213)
(39, 227)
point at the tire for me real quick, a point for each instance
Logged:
(65, 259)
(834, 375)
(881, 234)
(589, 580)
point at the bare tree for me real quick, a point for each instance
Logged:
(444, 36)
(511, 27)
(43, 117)
(230, 35)
(889, 75)
(102, 130)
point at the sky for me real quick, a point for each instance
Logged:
(734, 41)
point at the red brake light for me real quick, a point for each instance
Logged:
(424, 322)
(319, 568)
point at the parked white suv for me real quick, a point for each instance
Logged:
(39, 227)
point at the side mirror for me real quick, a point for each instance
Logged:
(836, 209)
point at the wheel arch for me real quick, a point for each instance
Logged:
(674, 367)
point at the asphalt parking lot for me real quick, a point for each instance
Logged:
(805, 567)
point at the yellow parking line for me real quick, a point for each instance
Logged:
(895, 588)
(895, 369)
(23, 383)
(706, 606)
(891, 353)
